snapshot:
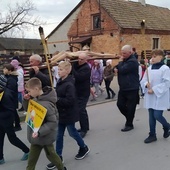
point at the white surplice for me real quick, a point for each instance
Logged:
(160, 84)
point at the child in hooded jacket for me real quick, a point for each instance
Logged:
(7, 109)
(46, 135)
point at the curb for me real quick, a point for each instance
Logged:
(100, 102)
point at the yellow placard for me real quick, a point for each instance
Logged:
(1, 95)
(35, 115)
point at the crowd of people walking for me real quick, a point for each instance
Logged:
(66, 103)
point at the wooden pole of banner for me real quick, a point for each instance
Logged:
(144, 50)
(44, 43)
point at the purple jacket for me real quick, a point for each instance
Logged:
(96, 75)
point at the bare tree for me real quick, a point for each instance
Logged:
(19, 17)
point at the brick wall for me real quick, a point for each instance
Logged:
(111, 37)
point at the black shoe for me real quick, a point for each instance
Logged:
(107, 98)
(83, 134)
(21, 109)
(17, 128)
(82, 153)
(127, 128)
(166, 132)
(150, 138)
(52, 166)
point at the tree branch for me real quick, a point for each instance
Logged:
(19, 17)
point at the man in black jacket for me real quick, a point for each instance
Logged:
(128, 80)
(42, 74)
(81, 73)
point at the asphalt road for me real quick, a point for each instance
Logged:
(111, 149)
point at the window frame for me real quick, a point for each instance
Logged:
(155, 43)
(98, 19)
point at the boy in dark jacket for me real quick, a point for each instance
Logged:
(7, 109)
(46, 135)
(68, 111)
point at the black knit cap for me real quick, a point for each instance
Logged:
(16, 58)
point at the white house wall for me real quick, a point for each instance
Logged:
(58, 41)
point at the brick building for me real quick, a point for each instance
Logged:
(107, 25)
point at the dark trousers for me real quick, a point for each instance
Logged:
(108, 89)
(14, 140)
(17, 119)
(34, 154)
(127, 101)
(84, 119)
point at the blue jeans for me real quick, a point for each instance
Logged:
(72, 132)
(156, 115)
(20, 96)
(96, 86)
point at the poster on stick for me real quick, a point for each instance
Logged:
(1, 95)
(35, 115)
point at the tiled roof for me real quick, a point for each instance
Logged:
(20, 43)
(129, 14)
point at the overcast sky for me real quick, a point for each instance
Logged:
(54, 11)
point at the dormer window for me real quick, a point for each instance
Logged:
(96, 21)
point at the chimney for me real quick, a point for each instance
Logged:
(142, 2)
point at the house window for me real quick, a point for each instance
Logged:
(96, 21)
(155, 43)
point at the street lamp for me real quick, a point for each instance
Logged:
(142, 24)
